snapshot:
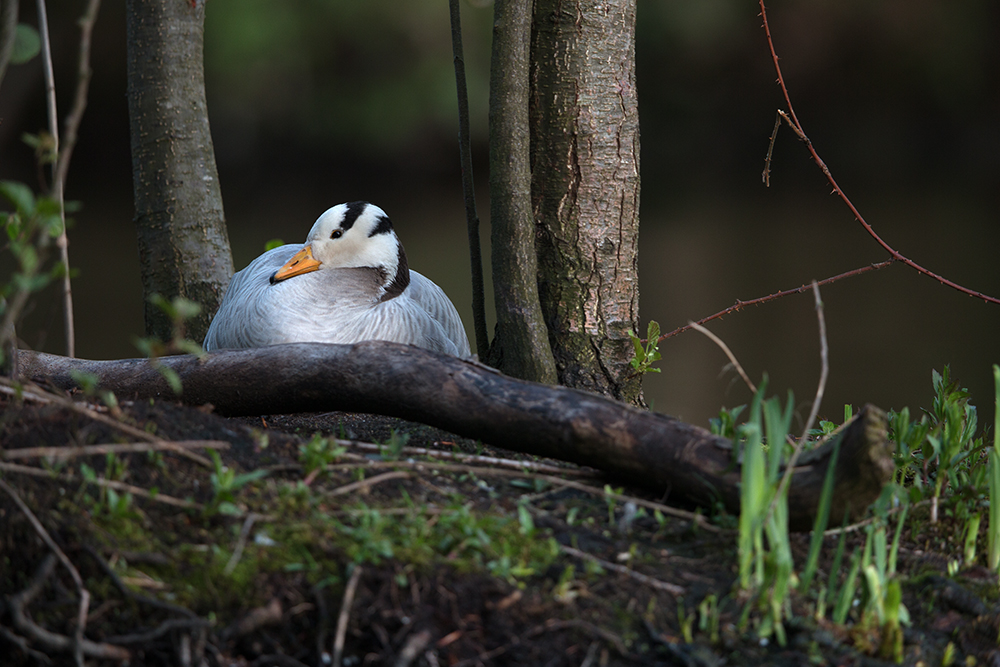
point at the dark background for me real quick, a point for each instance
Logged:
(315, 102)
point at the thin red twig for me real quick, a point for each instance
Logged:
(777, 295)
(794, 123)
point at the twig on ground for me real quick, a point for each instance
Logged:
(39, 394)
(854, 527)
(22, 643)
(729, 353)
(739, 305)
(673, 589)
(77, 641)
(474, 458)
(796, 126)
(365, 483)
(500, 472)
(277, 660)
(345, 612)
(129, 593)
(160, 630)
(108, 483)
(415, 643)
(241, 543)
(72, 451)
(698, 519)
(79, 645)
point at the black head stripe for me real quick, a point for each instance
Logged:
(354, 211)
(401, 280)
(384, 226)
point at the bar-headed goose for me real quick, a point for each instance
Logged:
(349, 282)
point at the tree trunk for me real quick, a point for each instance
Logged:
(640, 447)
(585, 188)
(521, 345)
(183, 245)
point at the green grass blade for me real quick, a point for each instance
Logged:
(822, 519)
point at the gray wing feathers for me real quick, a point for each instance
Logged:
(331, 306)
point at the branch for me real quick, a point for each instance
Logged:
(777, 295)
(469, 399)
(796, 126)
(468, 183)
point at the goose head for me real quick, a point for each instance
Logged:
(352, 235)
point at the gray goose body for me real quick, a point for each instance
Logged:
(356, 286)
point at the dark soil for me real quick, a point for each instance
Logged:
(454, 563)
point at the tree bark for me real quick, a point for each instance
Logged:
(181, 229)
(521, 345)
(585, 188)
(640, 447)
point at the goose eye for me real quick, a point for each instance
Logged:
(336, 234)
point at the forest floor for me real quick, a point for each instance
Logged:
(425, 549)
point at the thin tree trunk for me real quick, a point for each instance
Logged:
(585, 188)
(469, 183)
(183, 245)
(8, 26)
(521, 346)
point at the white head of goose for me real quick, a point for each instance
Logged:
(349, 282)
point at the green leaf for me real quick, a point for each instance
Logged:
(20, 195)
(27, 44)
(272, 244)
(653, 332)
(185, 309)
(229, 509)
(172, 378)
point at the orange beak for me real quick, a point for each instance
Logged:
(301, 262)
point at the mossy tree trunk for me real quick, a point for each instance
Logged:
(585, 188)
(181, 229)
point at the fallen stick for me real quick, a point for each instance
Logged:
(472, 400)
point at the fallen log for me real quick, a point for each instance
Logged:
(469, 399)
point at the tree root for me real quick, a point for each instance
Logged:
(472, 400)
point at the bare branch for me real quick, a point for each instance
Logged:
(739, 305)
(794, 123)
(729, 353)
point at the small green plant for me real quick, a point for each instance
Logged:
(763, 511)
(179, 310)
(937, 452)
(225, 483)
(648, 353)
(392, 449)
(109, 504)
(724, 425)
(88, 383)
(318, 453)
(30, 230)
(708, 617)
